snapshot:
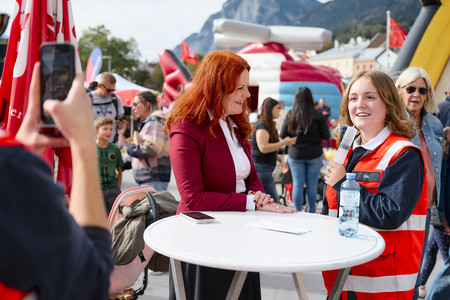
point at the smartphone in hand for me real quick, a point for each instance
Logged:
(198, 217)
(57, 74)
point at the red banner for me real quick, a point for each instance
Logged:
(187, 54)
(397, 35)
(34, 22)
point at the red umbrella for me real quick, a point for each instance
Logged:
(34, 22)
(127, 96)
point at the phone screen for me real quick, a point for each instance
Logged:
(57, 73)
(198, 217)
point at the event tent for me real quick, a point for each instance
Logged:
(126, 89)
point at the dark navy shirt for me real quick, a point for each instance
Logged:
(43, 248)
(401, 182)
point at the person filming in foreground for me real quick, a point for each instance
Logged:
(49, 252)
(390, 171)
(211, 160)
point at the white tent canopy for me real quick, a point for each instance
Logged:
(124, 84)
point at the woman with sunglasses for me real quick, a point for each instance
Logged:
(416, 92)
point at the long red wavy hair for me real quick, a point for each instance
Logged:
(216, 77)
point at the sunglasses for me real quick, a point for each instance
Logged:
(108, 90)
(412, 89)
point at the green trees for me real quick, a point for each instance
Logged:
(124, 53)
(124, 56)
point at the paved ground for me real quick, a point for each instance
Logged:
(273, 285)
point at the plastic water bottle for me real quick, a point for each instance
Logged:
(349, 207)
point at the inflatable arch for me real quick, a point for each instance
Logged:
(176, 76)
(275, 74)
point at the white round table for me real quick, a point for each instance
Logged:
(230, 243)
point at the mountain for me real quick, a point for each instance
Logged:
(264, 12)
(337, 16)
(340, 14)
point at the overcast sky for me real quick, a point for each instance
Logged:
(154, 24)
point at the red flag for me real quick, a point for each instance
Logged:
(187, 54)
(34, 22)
(397, 35)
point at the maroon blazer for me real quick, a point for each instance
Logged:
(204, 169)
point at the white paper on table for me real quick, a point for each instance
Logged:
(270, 225)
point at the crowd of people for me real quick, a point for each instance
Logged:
(222, 162)
(138, 137)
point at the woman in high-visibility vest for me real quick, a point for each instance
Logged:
(393, 188)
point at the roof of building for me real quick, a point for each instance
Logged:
(378, 40)
(369, 54)
(352, 49)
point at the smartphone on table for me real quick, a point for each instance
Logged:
(198, 217)
(57, 74)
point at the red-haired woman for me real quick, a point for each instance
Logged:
(211, 160)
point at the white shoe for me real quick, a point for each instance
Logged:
(422, 291)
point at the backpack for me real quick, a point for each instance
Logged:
(113, 101)
(127, 233)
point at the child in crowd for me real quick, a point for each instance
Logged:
(110, 161)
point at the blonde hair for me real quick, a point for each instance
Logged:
(412, 74)
(107, 77)
(102, 121)
(150, 98)
(396, 119)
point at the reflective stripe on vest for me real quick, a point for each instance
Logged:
(384, 163)
(332, 212)
(383, 284)
(414, 222)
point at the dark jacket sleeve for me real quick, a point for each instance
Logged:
(47, 250)
(444, 203)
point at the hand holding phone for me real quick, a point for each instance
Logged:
(57, 74)
(198, 217)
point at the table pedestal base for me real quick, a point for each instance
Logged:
(239, 279)
(178, 282)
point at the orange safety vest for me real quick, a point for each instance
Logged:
(393, 274)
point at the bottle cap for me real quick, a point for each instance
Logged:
(351, 176)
